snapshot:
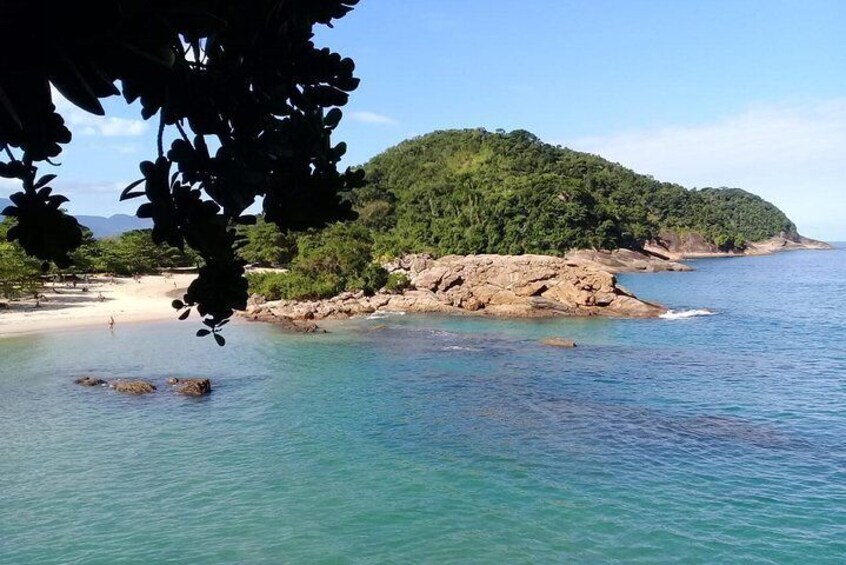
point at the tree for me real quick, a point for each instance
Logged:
(19, 274)
(243, 77)
(266, 245)
(134, 252)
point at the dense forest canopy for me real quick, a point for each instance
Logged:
(474, 191)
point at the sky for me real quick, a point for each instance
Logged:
(748, 94)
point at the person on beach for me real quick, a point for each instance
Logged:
(112, 323)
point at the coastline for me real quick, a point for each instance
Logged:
(65, 307)
(580, 284)
(147, 300)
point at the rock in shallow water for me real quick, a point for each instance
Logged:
(193, 387)
(90, 381)
(134, 387)
(559, 342)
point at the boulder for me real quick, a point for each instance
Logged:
(90, 381)
(134, 387)
(194, 387)
(559, 342)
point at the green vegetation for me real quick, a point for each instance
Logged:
(131, 253)
(135, 252)
(19, 274)
(336, 259)
(266, 245)
(473, 191)
(397, 282)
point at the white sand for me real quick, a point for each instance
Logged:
(124, 299)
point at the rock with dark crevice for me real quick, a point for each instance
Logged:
(193, 387)
(90, 381)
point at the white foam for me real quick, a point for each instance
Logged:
(383, 315)
(686, 314)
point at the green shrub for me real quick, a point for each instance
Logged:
(370, 280)
(397, 282)
(294, 285)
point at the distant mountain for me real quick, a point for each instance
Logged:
(113, 225)
(101, 226)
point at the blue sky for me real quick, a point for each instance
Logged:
(735, 93)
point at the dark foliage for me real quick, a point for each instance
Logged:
(243, 77)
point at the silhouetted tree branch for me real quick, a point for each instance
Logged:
(243, 76)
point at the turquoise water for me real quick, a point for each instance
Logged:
(426, 439)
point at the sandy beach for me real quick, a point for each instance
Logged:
(66, 307)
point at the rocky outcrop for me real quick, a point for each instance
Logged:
(492, 285)
(133, 387)
(677, 246)
(191, 387)
(260, 311)
(559, 342)
(625, 261)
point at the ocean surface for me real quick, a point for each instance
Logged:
(710, 438)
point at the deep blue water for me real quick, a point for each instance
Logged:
(428, 439)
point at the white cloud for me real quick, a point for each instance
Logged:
(794, 156)
(80, 121)
(371, 118)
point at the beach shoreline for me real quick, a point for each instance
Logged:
(65, 307)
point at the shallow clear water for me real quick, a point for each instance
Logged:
(426, 439)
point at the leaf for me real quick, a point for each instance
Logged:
(10, 108)
(221, 341)
(126, 194)
(185, 314)
(333, 118)
(203, 333)
(178, 304)
(73, 86)
(44, 180)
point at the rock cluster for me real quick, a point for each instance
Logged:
(188, 387)
(493, 285)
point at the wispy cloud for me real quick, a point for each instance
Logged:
(371, 118)
(792, 155)
(83, 123)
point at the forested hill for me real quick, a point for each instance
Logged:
(474, 191)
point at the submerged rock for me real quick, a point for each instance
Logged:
(559, 342)
(90, 381)
(134, 387)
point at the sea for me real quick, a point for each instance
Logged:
(716, 434)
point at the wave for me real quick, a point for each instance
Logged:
(383, 315)
(686, 314)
